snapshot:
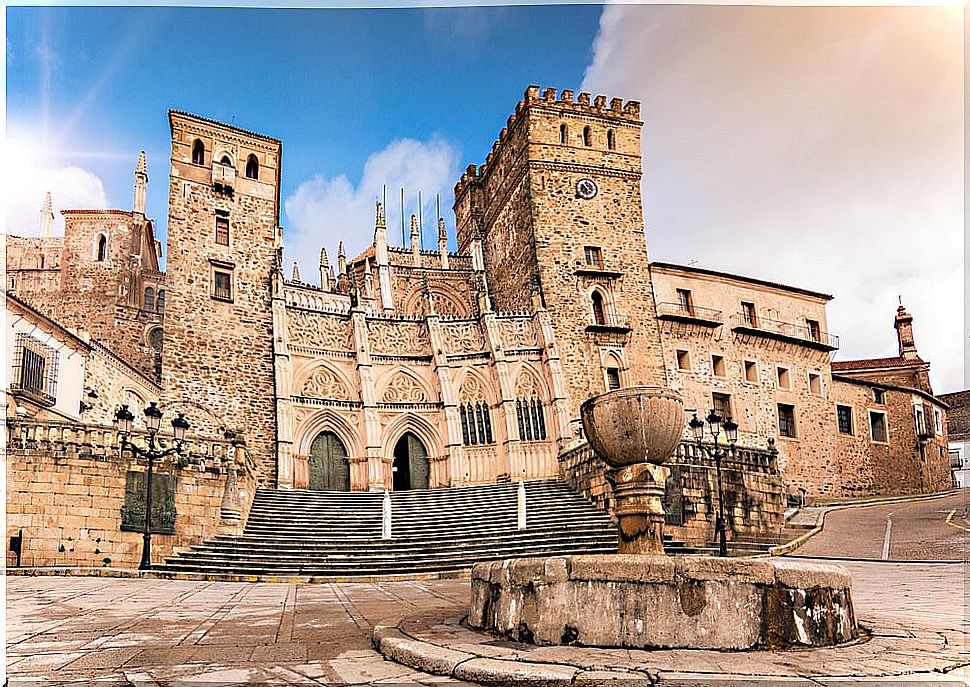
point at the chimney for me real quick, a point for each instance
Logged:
(904, 333)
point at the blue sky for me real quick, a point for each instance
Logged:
(334, 85)
(815, 146)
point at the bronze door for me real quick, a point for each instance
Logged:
(328, 466)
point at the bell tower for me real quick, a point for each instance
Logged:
(557, 205)
(224, 246)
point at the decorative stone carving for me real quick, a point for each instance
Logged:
(404, 389)
(527, 386)
(462, 337)
(398, 338)
(518, 333)
(324, 383)
(471, 390)
(329, 332)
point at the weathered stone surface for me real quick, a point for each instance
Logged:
(495, 671)
(421, 655)
(651, 601)
(806, 574)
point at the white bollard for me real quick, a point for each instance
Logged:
(386, 516)
(521, 505)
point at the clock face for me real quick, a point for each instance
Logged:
(585, 189)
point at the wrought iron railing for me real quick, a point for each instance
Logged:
(692, 312)
(790, 330)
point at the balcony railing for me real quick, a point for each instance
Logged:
(792, 332)
(708, 317)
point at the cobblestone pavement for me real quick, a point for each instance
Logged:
(920, 531)
(167, 632)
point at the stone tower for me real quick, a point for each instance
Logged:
(224, 248)
(557, 208)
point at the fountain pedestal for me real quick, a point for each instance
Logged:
(639, 491)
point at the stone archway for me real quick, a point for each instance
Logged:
(328, 467)
(411, 466)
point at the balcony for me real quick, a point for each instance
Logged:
(223, 178)
(619, 324)
(678, 312)
(800, 334)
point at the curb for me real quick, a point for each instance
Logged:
(397, 646)
(784, 549)
(230, 577)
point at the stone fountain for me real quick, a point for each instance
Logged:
(641, 597)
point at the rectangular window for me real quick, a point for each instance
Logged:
(683, 360)
(815, 383)
(748, 314)
(750, 371)
(784, 378)
(612, 378)
(722, 405)
(222, 231)
(718, 366)
(35, 369)
(920, 421)
(879, 396)
(814, 330)
(594, 257)
(786, 420)
(844, 415)
(878, 429)
(222, 285)
(685, 301)
(955, 461)
(938, 421)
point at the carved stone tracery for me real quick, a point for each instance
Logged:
(403, 388)
(518, 333)
(398, 338)
(329, 332)
(324, 383)
(462, 337)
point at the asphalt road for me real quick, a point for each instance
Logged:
(933, 529)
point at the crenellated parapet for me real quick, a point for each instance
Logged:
(616, 110)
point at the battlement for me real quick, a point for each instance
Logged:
(548, 99)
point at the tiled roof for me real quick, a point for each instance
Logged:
(873, 363)
(741, 278)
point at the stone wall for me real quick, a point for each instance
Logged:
(753, 494)
(66, 488)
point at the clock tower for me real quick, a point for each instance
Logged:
(558, 209)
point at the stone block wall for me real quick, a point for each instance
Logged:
(66, 488)
(753, 495)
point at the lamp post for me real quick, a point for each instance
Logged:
(153, 420)
(716, 452)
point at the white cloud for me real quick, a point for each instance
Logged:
(817, 147)
(324, 211)
(69, 186)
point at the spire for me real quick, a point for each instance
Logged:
(380, 236)
(324, 270)
(380, 216)
(904, 334)
(141, 185)
(341, 259)
(443, 243)
(46, 216)
(296, 271)
(415, 241)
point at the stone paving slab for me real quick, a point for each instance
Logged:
(921, 639)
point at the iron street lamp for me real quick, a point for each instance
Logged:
(716, 452)
(153, 420)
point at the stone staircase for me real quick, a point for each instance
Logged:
(338, 534)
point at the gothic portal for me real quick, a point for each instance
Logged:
(328, 466)
(410, 464)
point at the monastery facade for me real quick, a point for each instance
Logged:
(405, 368)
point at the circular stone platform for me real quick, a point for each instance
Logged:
(649, 602)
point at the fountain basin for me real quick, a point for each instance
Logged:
(633, 425)
(659, 602)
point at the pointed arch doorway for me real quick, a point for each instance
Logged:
(328, 467)
(410, 464)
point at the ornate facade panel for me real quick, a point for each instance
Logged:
(462, 337)
(403, 388)
(313, 330)
(398, 337)
(473, 389)
(518, 332)
(324, 383)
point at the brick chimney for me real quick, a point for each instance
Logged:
(904, 333)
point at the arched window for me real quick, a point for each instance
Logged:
(599, 315)
(587, 137)
(252, 168)
(611, 140)
(476, 423)
(532, 420)
(160, 302)
(101, 248)
(198, 152)
(563, 133)
(225, 161)
(150, 299)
